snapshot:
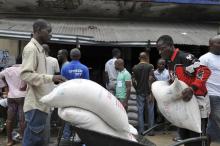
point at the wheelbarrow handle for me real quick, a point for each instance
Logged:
(155, 126)
(190, 140)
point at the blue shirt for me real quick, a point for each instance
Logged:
(162, 76)
(75, 70)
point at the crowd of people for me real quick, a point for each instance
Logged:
(39, 73)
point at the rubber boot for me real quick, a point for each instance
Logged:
(9, 126)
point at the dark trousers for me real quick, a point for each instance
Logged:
(185, 133)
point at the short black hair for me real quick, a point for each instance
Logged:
(166, 39)
(65, 52)
(115, 52)
(40, 24)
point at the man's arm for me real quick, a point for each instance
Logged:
(128, 89)
(151, 77)
(105, 78)
(134, 81)
(57, 68)
(28, 69)
(86, 74)
(202, 75)
(151, 80)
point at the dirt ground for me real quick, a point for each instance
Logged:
(160, 139)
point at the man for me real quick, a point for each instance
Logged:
(142, 74)
(187, 69)
(34, 73)
(110, 71)
(161, 73)
(15, 99)
(73, 70)
(52, 63)
(52, 69)
(63, 57)
(123, 83)
(211, 59)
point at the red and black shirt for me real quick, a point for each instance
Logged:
(188, 69)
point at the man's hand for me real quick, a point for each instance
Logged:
(187, 94)
(58, 79)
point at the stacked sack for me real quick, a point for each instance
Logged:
(132, 110)
(88, 105)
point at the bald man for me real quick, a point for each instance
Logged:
(212, 60)
(142, 74)
(123, 83)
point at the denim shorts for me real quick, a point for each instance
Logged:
(35, 131)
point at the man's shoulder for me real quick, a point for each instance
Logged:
(111, 61)
(30, 47)
(126, 72)
(186, 58)
(143, 65)
(186, 55)
(52, 59)
(206, 55)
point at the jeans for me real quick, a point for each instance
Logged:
(35, 131)
(48, 125)
(141, 100)
(213, 129)
(67, 131)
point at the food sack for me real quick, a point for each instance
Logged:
(91, 96)
(178, 112)
(84, 119)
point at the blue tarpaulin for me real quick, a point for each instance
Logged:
(210, 2)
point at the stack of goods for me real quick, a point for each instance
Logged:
(132, 110)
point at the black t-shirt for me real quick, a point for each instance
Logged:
(141, 73)
(183, 58)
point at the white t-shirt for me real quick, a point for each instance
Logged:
(52, 65)
(110, 69)
(52, 68)
(212, 61)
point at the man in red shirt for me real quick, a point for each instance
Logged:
(187, 68)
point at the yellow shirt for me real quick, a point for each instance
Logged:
(34, 73)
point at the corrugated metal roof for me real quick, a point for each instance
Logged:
(122, 31)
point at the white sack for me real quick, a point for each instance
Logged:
(84, 119)
(178, 112)
(91, 96)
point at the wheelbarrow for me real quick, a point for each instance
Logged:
(93, 138)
